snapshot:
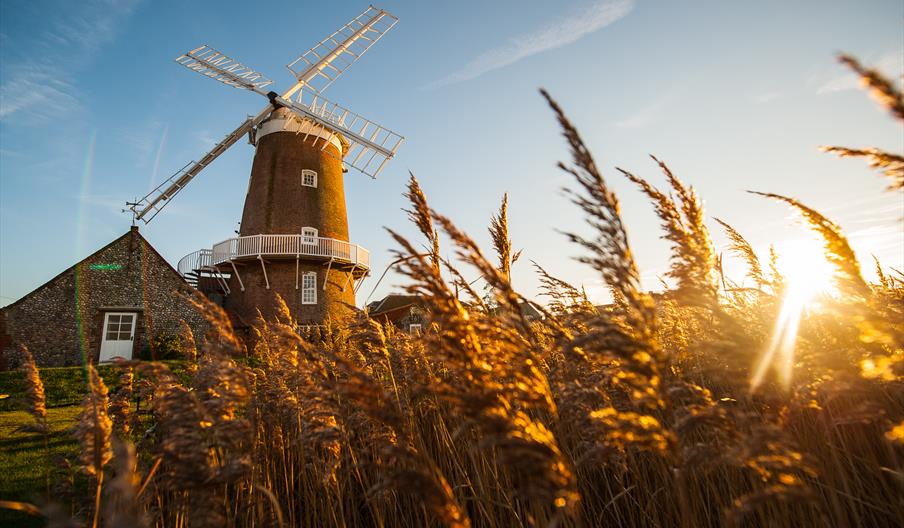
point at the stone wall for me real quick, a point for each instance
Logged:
(62, 321)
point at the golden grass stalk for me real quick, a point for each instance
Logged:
(740, 247)
(499, 235)
(34, 390)
(693, 261)
(492, 382)
(94, 426)
(94, 430)
(419, 215)
(626, 342)
(189, 346)
(564, 298)
(892, 165)
(121, 404)
(122, 507)
(609, 253)
(882, 90)
(889, 97)
(407, 470)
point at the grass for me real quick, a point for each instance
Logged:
(63, 385)
(24, 459)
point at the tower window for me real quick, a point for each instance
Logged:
(309, 288)
(309, 178)
(309, 235)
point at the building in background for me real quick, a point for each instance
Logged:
(111, 304)
(406, 312)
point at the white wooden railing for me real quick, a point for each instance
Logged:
(276, 246)
(195, 261)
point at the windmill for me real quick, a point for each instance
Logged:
(293, 238)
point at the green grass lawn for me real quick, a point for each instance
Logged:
(62, 385)
(24, 460)
(23, 457)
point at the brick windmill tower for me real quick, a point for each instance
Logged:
(293, 240)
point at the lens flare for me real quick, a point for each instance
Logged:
(81, 319)
(806, 275)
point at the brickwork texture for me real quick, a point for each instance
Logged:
(278, 203)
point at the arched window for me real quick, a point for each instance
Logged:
(309, 287)
(309, 178)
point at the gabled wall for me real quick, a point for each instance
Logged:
(61, 322)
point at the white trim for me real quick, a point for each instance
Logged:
(309, 290)
(298, 125)
(415, 328)
(264, 267)
(312, 174)
(326, 277)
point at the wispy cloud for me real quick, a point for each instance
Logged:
(644, 116)
(42, 82)
(890, 64)
(567, 30)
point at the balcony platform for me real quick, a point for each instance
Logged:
(224, 255)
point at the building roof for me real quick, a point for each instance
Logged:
(133, 231)
(392, 302)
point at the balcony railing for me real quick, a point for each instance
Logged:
(276, 246)
(195, 261)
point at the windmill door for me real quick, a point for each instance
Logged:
(118, 336)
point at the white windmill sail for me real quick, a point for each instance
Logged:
(211, 63)
(321, 65)
(148, 207)
(370, 145)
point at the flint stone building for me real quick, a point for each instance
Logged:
(111, 304)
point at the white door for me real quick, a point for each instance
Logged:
(119, 332)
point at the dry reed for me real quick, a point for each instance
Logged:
(638, 413)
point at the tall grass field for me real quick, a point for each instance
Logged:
(720, 401)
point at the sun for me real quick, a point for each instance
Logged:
(807, 276)
(806, 272)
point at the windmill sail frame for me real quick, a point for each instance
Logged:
(321, 65)
(370, 147)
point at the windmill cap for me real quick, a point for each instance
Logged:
(285, 120)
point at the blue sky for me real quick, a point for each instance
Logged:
(732, 95)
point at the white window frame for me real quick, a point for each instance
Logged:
(309, 287)
(415, 328)
(308, 172)
(309, 235)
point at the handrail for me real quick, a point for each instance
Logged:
(193, 261)
(276, 246)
